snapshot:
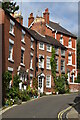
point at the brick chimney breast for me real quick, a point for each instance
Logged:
(46, 16)
(30, 19)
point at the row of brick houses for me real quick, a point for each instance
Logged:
(23, 47)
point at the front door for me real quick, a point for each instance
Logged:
(40, 84)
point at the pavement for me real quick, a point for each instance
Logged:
(75, 111)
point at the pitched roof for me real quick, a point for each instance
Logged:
(46, 39)
(59, 28)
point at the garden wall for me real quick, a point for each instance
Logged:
(74, 87)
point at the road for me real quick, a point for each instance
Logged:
(45, 107)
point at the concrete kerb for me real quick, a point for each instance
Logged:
(73, 109)
(4, 110)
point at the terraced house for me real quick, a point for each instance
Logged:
(44, 26)
(24, 47)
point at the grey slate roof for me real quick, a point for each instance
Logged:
(60, 29)
(47, 39)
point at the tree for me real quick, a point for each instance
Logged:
(78, 54)
(10, 6)
(78, 60)
(53, 64)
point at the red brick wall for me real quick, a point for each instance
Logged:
(16, 48)
(74, 87)
(48, 72)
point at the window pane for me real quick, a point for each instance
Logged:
(48, 63)
(10, 50)
(11, 28)
(48, 81)
(22, 56)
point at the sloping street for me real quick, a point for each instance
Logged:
(45, 107)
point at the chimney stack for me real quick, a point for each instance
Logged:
(46, 16)
(18, 17)
(30, 19)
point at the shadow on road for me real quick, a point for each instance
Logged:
(77, 106)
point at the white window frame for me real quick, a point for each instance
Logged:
(32, 44)
(48, 86)
(10, 69)
(32, 39)
(23, 39)
(41, 64)
(70, 43)
(49, 50)
(48, 67)
(63, 70)
(23, 49)
(11, 42)
(40, 46)
(57, 51)
(31, 63)
(62, 52)
(12, 31)
(61, 40)
(69, 59)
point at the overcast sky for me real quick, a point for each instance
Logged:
(65, 13)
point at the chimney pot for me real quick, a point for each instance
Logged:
(30, 19)
(31, 14)
(46, 10)
(46, 16)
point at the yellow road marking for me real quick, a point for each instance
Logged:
(62, 112)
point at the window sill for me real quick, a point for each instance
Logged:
(32, 48)
(10, 60)
(48, 86)
(11, 33)
(49, 51)
(23, 41)
(63, 56)
(22, 64)
(48, 68)
(31, 69)
(41, 67)
(41, 49)
(69, 64)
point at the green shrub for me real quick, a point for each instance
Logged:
(6, 78)
(23, 95)
(61, 84)
(35, 83)
(16, 81)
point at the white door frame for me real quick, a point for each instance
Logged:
(41, 89)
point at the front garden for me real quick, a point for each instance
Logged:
(12, 94)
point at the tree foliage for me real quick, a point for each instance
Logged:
(16, 81)
(78, 54)
(6, 77)
(35, 83)
(10, 7)
(61, 84)
(78, 60)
